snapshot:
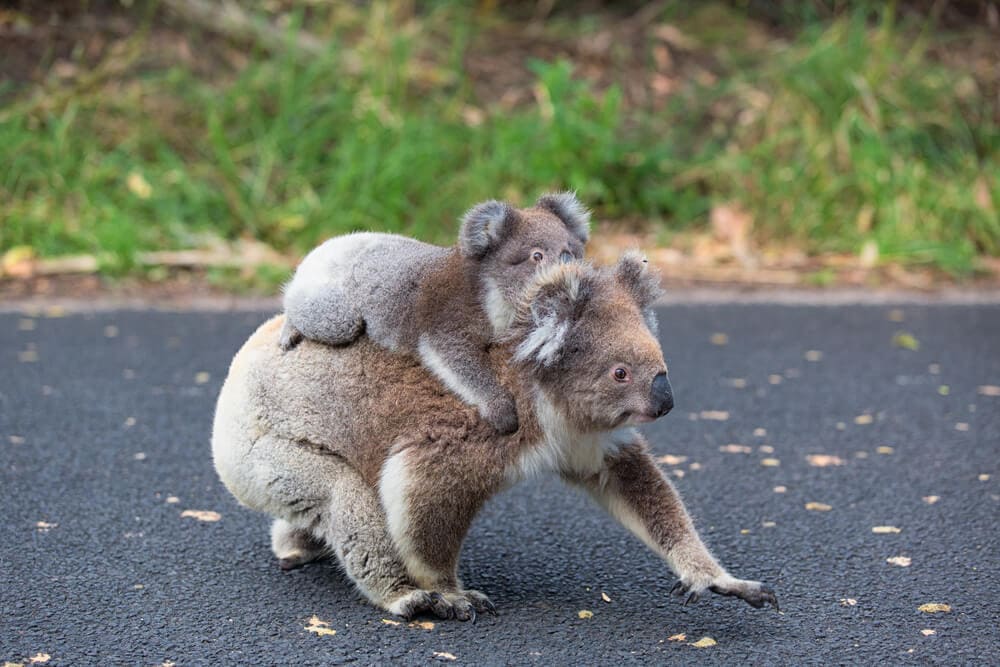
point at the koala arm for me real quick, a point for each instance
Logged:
(461, 362)
(634, 491)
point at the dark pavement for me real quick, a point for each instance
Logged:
(104, 442)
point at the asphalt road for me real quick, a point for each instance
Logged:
(104, 429)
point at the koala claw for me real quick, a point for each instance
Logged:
(290, 336)
(753, 593)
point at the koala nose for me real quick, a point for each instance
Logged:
(661, 396)
(565, 257)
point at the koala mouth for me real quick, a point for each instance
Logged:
(633, 418)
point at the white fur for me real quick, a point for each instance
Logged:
(498, 309)
(544, 342)
(435, 363)
(563, 448)
(392, 489)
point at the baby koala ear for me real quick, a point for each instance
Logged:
(552, 303)
(642, 282)
(484, 226)
(569, 209)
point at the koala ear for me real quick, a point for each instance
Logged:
(643, 283)
(569, 209)
(484, 226)
(552, 303)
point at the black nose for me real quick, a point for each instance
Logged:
(662, 396)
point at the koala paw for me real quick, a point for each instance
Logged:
(290, 336)
(461, 605)
(753, 593)
(502, 416)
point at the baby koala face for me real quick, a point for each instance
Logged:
(509, 245)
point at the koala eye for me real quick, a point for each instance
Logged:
(620, 374)
(537, 256)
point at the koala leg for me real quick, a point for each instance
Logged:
(325, 313)
(293, 546)
(428, 519)
(634, 490)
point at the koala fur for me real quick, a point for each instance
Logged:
(426, 300)
(362, 453)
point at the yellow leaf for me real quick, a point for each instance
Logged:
(27, 356)
(671, 460)
(585, 613)
(45, 526)
(679, 637)
(944, 390)
(824, 460)
(930, 500)
(905, 340)
(813, 355)
(39, 658)
(423, 625)
(321, 628)
(714, 415)
(138, 185)
(984, 477)
(962, 426)
(444, 655)
(766, 449)
(933, 608)
(605, 597)
(719, 339)
(884, 449)
(202, 515)
(13, 664)
(818, 507)
(901, 561)
(704, 642)
(780, 489)
(848, 602)
(989, 390)
(760, 432)
(883, 530)
(735, 449)
(202, 377)
(770, 463)
(388, 622)
(928, 632)
(861, 420)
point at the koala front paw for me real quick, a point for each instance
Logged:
(290, 336)
(753, 593)
(502, 416)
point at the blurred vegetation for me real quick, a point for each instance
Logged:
(831, 129)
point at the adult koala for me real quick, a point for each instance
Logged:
(362, 453)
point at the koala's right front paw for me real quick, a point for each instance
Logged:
(753, 593)
(502, 415)
(290, 336)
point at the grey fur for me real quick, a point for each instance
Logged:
(570, 210)
(444, 305)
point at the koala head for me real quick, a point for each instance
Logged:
(588, 337)
(509, 245)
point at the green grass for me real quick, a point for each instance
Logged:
(850, 133)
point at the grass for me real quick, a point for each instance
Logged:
(849, 133)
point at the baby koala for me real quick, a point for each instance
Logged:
(445, 305)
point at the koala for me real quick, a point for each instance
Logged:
(361, 453)
(445, 305)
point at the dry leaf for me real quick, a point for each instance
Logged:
(321, 628)
(884, 449)
(988, 390)
(15, 439)
(704, 642)
(129, 422)
(111, 331)
(774, 379)
(933, 608)
(679, 637)
(39, 658)
(28, 356)
(423, 625)
(934, 369)
(768, 524)
(719, 339)
(861, 420)
(744, 531)
(818, 507)
(766, 449)
(901, 561)
(813, 355)
(694, 466)
(928, 632)
(585, 613)
(714, 415)
(13, 664)
(780, 489)
(770, 463)
(202, 515)
(138, 185)
(824, 460)
(737, 383)
(677, 473)
(848, 602)
(760, 432)
(444, 655)
(930, 500)
(962, 426)
(944, 390)
(735, 449)
(173, 499)
(671, 459)
(604, 596)
(984, 477)
(202, 377)
(905, 340)
(45, 526)
(884, 530)
(388, 622)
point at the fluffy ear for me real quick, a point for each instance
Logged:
(484, 226)
(569, 209)
(551, 304)
(634, 274)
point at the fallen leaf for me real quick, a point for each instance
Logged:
(824, 460)
(585, 613)
(677, 473)
(766, 449)
(905, 340)
(934, 369)
(933, 608)
(884, 449)
(760, 432)
(770, 463)
(671, 459)
(389, 622)
(928, 632)
(962, 426)
(930, 500)
(735, 449)
(139, 456)
(45, 526)
(984, 477)
(774, 379)
(737, 383)
(202, 515)
(321, 628)
(423, 625)
(818, 507)
(13, 664)
(679, 637)
(744, 531)
(848, 602)
(173, 499)
(813, 355)
(901, 561)
(444, 655)
(715, 415)
(861, 455)
(944, 390)
(780, 489)
(202, 377)
(861, 420)
(884, 530)
(138, 185)
(39, 658)
(129, 422)
(111, 331)
(27, 356)
(704, 642)
(841, 426)
(605, 597)
(988, 390)
(719, 339)
(694, 466)
(768, 524)
(15, 439)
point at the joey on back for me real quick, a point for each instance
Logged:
(444, 305)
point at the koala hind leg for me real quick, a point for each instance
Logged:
(293, 546)
(326, 314)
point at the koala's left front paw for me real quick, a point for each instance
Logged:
(753, 593)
